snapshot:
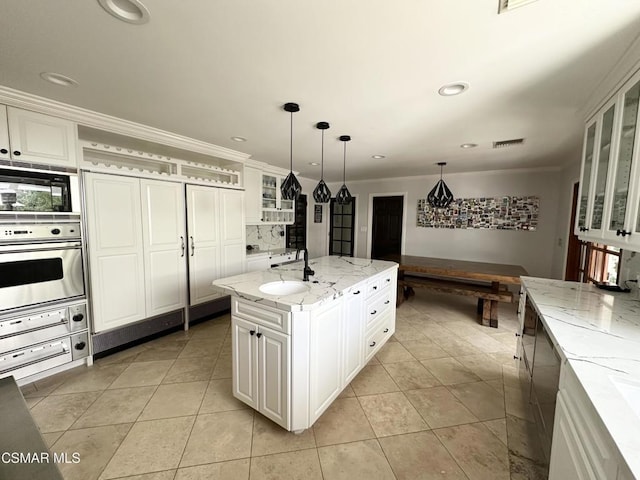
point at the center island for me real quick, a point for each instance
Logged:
(297, 344)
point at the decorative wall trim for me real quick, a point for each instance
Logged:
(496, 213)
(89, 118)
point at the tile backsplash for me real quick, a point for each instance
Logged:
(266, 236)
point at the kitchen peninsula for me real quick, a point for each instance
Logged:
(295, 344)
(597, 414)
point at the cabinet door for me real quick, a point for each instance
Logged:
(273, 375)
(261, 262)
(253, 195)
(232, 232)
(620, 219)
(270, 192)
(4, 134)
(164, 246)
(352, 334)
(601, 170)
(245, 361)
(284, 204)
(204, 243)
(39, 138)
(585, 180)
(568, 458)
(325, 358)
(116, 262)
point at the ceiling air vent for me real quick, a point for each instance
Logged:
(508, 143)
(506, 5)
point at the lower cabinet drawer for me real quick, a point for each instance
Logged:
(378, 335)
(278, 320)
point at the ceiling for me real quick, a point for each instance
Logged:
(215, 69)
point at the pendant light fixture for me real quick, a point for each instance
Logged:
(344, 197)
(322, 194)
(290, 188)
(440, 196)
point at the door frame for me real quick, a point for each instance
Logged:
(570, 227)
(404, 196)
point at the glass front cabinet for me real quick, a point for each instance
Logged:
(609, 197)
(274, 208)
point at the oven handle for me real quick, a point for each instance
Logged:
(39, 247)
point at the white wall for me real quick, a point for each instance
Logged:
(317, 233)
(534, 250)
(567, 178)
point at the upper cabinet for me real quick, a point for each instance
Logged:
(609, 210)
(32, 137)
(265, 204)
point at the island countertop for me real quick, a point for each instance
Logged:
(598, 334)
(333, 275)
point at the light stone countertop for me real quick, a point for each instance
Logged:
(598, 334)
(333, 275)
(272, 251)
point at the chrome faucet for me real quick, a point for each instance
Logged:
(307, 270)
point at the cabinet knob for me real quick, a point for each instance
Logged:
(4, 151)
(356, 292)
(374, 312)
(258, 334)
(372, 344)
(17, 153)
(375, 287)
(385, 330)
(388, 279)
(515, 357)
(251, 332)
(518, 335)
(387, 302)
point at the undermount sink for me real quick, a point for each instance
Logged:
(284, 287)
(630, 391)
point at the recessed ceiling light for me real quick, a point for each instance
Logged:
(238, 139)
(377, 156)
(130, 11)
(468, 145)
(315, 164)
(58, 79)
(453, 89)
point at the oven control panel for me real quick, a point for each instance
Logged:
(40, 231)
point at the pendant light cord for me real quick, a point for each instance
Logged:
(322, 157)
(291, 145)
(344, 165)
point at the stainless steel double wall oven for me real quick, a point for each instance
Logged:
(43, 312)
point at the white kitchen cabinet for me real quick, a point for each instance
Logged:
(164, 246)
(264, 199)
(253, 195)
(261, 358)
(116, 255)
(609, 199)
(37, 138)
(326, 347)
(136, 256)
(216, 238)
(258, 261)
(311, 354)
(581, 447)
(353, 328)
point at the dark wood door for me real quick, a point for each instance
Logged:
(386, 235)
(574, 245)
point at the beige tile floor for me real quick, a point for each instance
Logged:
(440, 400)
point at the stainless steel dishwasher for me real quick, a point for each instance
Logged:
(544, 384)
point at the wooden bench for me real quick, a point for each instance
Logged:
(488, 296)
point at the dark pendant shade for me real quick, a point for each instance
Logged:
(440, 196)
(290, 188)
(343, 197)
(322, 194)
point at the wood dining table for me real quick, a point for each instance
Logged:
(496, 276)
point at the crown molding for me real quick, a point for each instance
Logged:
(101, 121)
(624, 68)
